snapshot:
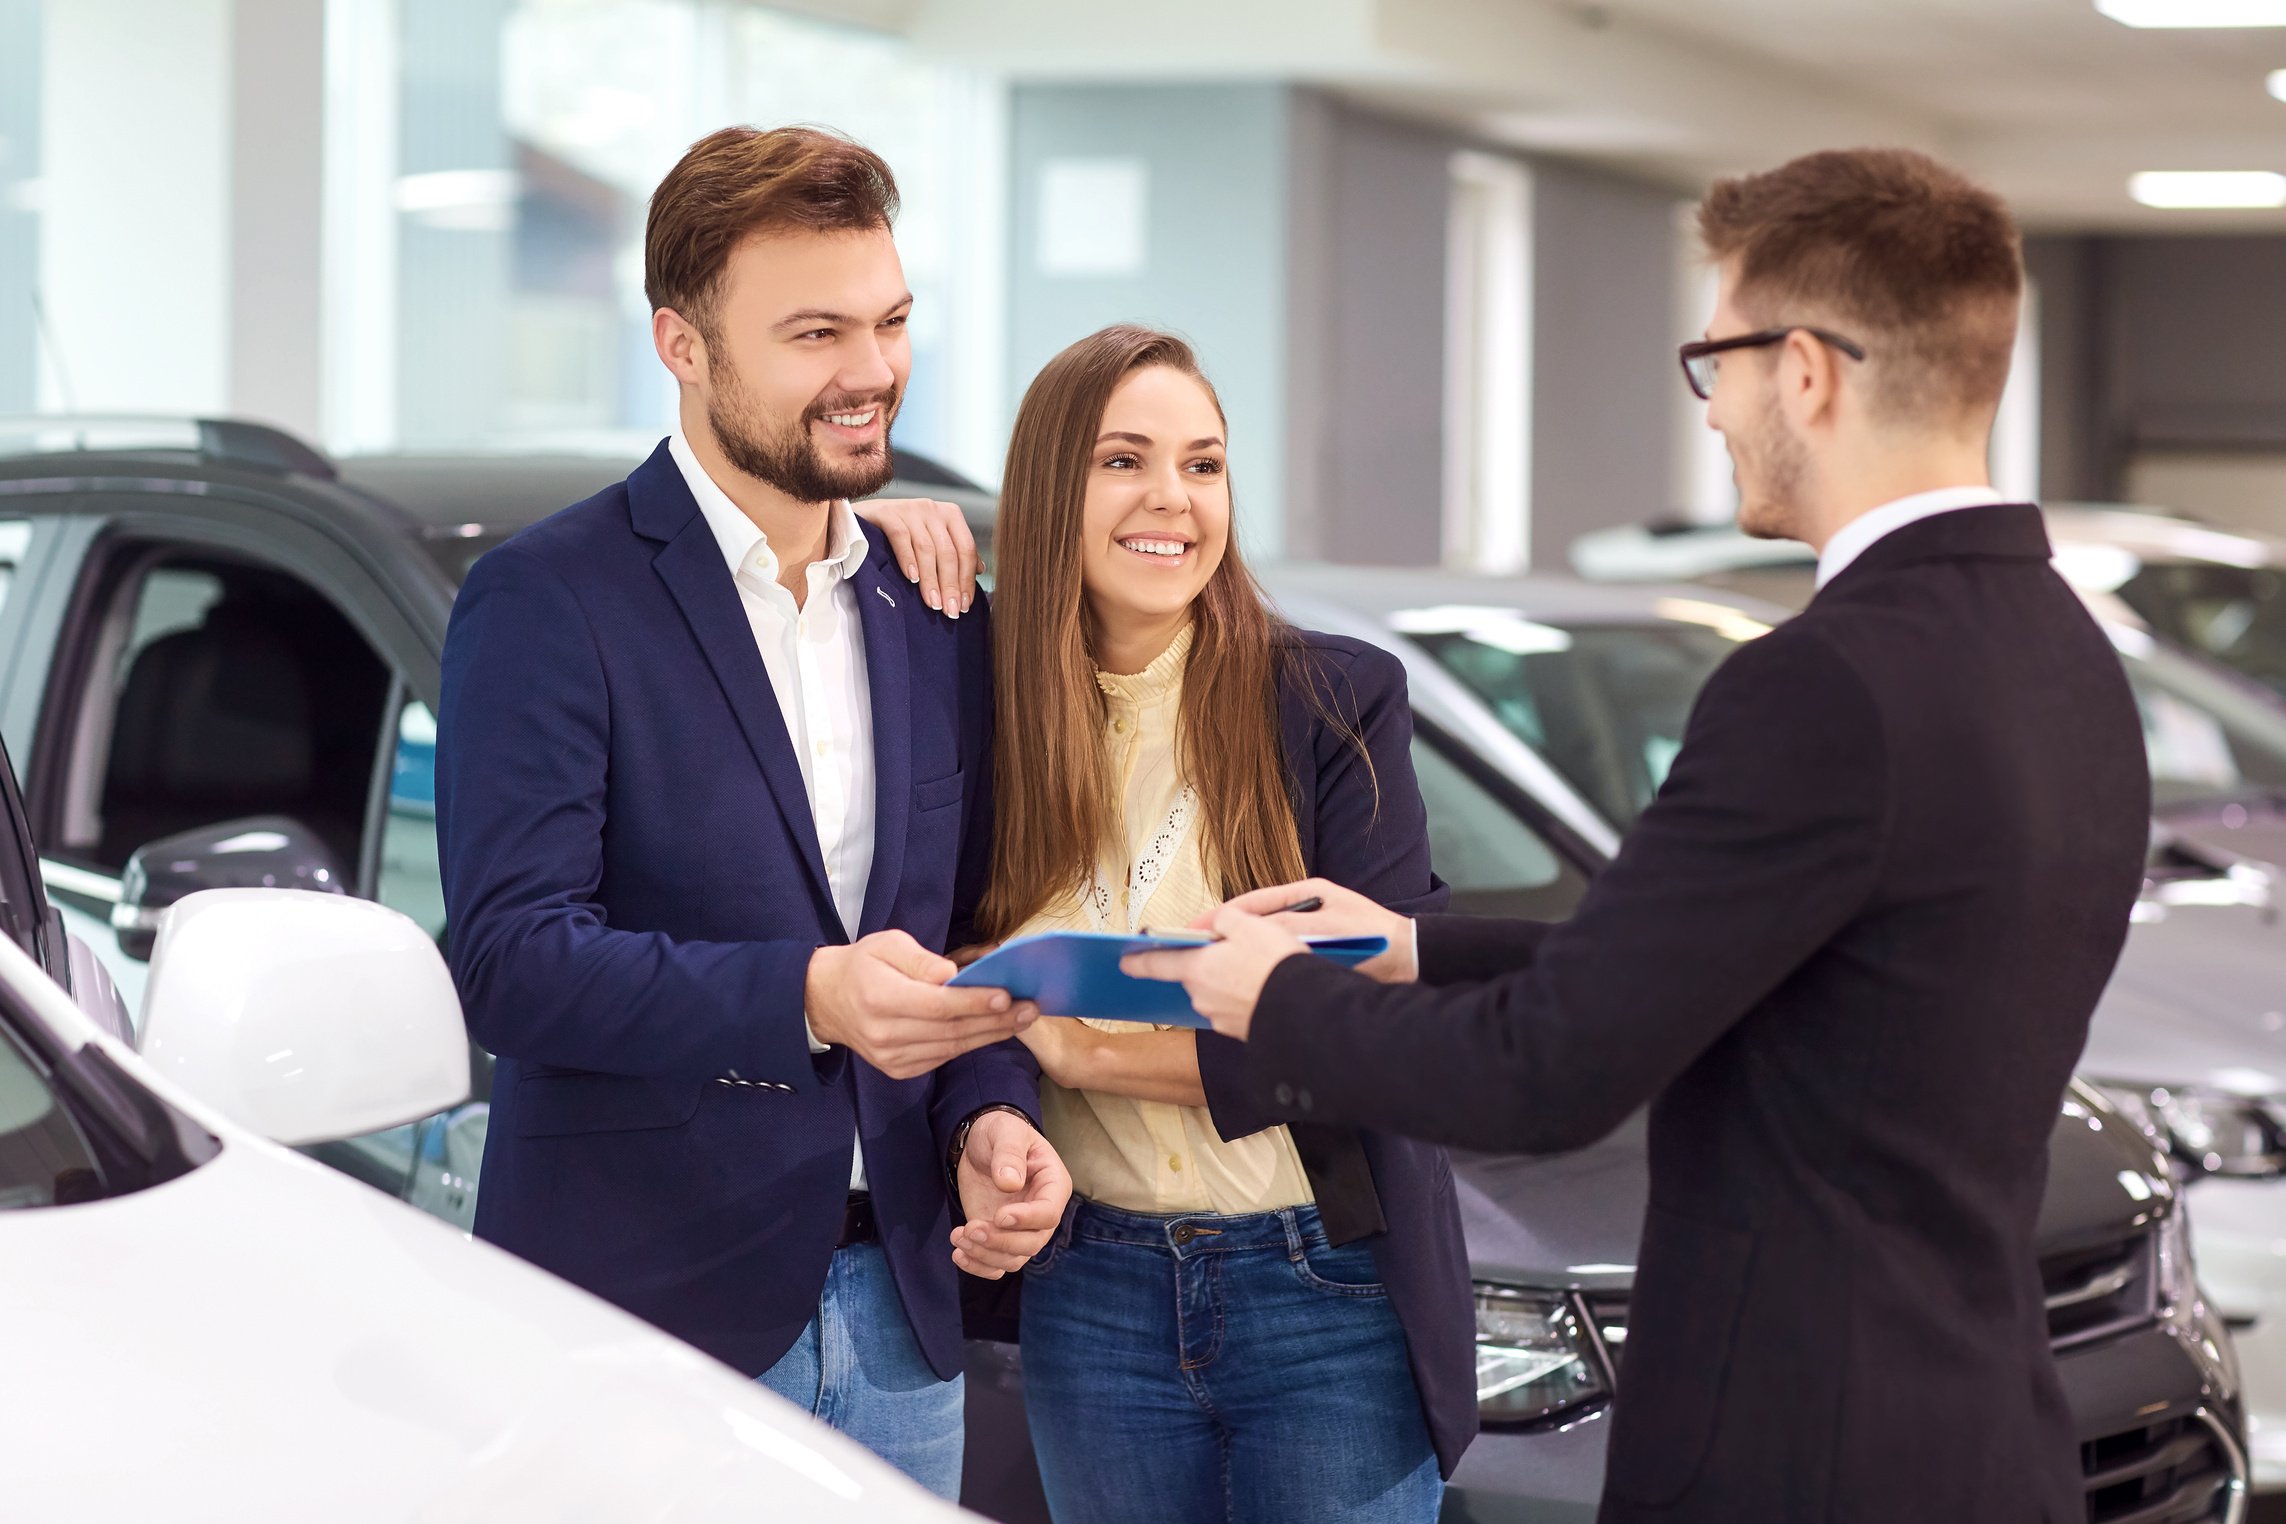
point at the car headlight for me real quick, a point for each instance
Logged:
(1534, 1358)
(2183, 1308)
(2208, 1132)
(2178, 1280)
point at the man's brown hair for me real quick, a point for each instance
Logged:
(1913, 260)
(740, 181)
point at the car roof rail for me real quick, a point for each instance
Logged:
(227, 441)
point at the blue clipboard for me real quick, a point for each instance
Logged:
(1076, 973)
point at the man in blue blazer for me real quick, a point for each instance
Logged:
(713, 797)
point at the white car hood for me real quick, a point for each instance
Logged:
(2199, 998)
(262, 1340)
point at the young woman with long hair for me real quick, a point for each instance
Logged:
(1237, 1320)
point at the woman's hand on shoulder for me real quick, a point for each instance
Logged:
(933, 546)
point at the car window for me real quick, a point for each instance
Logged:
(435, 1161)
(407, 879)
(2234, 614)
(15, 538)
(1605, 705)
(1495, 861)
(44, 1158)
(218, 690)
(2208, 735)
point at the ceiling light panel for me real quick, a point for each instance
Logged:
(2194, 13)
(2179, 189)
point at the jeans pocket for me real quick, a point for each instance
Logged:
(1346, 1271)
(1059, 1243)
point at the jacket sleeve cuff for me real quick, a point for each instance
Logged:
(1230, 1099)
(1452, 949)
(1281, 1052)
(1004, 1074)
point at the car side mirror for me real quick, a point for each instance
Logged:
(307, 1017)
(260, 852)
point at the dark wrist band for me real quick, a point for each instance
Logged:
(960, 1137)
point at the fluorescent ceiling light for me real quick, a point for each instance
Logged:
(2278, 83)
(2196, 188)
(2190, 13)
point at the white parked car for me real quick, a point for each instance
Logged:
(206, 1325)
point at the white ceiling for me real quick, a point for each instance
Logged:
(2051, 103)
(2049, 99)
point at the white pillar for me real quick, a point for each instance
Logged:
(181, 211)
(135, 214)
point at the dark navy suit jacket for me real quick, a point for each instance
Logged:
(1363, 826)
(635, 890)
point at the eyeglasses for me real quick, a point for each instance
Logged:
(1698, 356)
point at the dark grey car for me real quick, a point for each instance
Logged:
(125, 551)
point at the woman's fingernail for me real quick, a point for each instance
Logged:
(935, 602)
(912, 575)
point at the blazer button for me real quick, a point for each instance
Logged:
(1283, 1095)
(1303, 1100)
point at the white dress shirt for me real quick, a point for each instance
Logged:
(1854, 538)
(815, 655)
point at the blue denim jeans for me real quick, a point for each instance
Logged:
(858, 1368)
(1204, 1368)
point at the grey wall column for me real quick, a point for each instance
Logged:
(1604, 337)
(1376, 427)
(2156, 344)
(277, 213)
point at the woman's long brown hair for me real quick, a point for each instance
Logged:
(1054, 807)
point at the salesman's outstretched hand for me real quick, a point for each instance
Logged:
(1340, 913)
(1223, 978)
(1013, 1188)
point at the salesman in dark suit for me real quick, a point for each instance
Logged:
(712, 797)
(1848, 955)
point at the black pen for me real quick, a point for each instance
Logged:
(1299, 907)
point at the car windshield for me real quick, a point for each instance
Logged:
(2210, 736)
(1604, 704)
(2234, 614)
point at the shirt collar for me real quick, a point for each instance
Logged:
(744, 546)
(1162, 679)
(1857, 536)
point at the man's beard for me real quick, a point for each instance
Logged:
(786, 456)
(1769, 463)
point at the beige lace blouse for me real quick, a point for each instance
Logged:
(1149, 1156)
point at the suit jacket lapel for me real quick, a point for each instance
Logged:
(888, 676)
(691, 566)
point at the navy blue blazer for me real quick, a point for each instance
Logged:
(635, 889)
(1364, 827)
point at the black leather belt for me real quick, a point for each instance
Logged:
(857, 1221)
